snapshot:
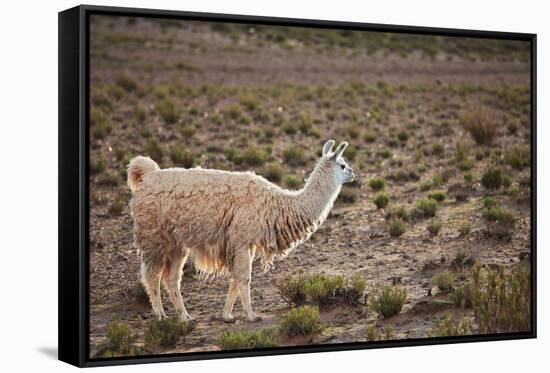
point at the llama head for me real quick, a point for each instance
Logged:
(344, 173)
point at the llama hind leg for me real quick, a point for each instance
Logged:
(151, 276)
(231, 297)
(171, 277)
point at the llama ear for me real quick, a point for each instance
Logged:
(340, 149)
(327, 148)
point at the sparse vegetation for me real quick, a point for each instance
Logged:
(449, 327)
(409, 133)
(493, 178)
(273, 172)
(444, 281)
(121, 339)
(481, 124)
(427, 207)
(168, 111)
(302, 320)
(322, 289)
(241, 339)
(464, 228)
(388, 301)
(294, 155)
(396, 226)
(518, 157)
(292, 181)
(502, 299)
(154, 150)
(164, 333)
(181, 156)
(381, 200)
(434, 227)
(377, 184)
(438, 196)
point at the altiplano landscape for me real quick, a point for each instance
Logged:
(432, 239)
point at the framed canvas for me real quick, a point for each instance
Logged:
(236, 186)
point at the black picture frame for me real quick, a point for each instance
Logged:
(74, 190)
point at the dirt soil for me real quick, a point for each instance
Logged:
(342, 93)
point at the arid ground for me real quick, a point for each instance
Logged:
(265, 99)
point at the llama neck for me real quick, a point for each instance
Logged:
(318, 195)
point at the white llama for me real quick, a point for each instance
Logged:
(221, 220)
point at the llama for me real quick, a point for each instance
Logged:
(222, 220)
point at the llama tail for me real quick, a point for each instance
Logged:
(137, 168)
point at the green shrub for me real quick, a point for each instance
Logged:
(384, 153)
(292, 181)
(373, 334)
(427, 207)
(396, 227)
(434, 227)
(444, 281)
(168, 111)
(97, 165)
(164, 333)
(518, 157)
(381, 200)
(100, 124)
(461, 152)
(154, 150)
(402, 136)
(233, 155)
(377, 184)
(181, 156)
(437, 149)
(140, 113)
(462, 295)
(464, 228)
(254, 156)
(462, 261)
(294, 155)
(369, 137)
(117, 206)
(481, 124)
(303, 320)
(466, 165)
(121, 339)
(492, 178)
(126, 81)
(489, 202)
(397, 212)
(242, 339)
(350, 152)
(502, 300)
(425, 186)
(438, 196)
(468, 177)
(448, 327)
(500, 215)
(322, 289)
(273, 172)
(388, 301)
(188, 131)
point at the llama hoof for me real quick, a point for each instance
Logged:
(228, 319)
(254, 318)
(191, 323)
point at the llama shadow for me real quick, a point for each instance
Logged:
(51, 352)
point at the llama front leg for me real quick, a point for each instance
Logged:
(151, 276)
(242, 272)
(230, 301)
(244, 292)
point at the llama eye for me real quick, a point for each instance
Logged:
(343, 166)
